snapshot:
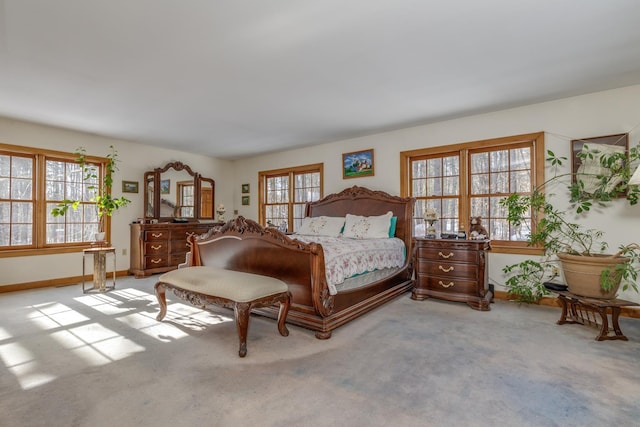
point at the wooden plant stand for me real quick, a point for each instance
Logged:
(585, 311)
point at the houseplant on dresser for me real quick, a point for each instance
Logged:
(581, 252)
(97, 190)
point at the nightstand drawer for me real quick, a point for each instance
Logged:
(445, 254)
(448, 269)
(448, 284)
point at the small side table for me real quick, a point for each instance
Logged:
(583, 310)
(99, 268)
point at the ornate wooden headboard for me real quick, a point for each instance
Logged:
(365, 202)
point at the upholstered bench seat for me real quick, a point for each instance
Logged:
(202, 285)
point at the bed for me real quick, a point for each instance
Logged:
(244, 245)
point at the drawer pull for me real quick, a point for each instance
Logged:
(445, 286)
(156, 261)
(156, 234)
(445, 256)
(155, 248)
(446, 270)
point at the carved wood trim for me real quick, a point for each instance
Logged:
(179, 166)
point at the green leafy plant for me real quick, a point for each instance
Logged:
(105, 204)
(555, 233)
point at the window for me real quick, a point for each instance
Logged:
(32, 182)
(186, 200)
(17, 200)
(284, 194)
(464, 180)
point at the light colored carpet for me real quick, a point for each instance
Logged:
(68, 359)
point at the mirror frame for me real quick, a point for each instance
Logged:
(154, 177)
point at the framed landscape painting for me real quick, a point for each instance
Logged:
(357, 164)
(165, 186)
(129, 186)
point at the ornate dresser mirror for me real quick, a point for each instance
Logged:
(180, 203)
(176, 193)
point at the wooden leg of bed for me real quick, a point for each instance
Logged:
(282, 314)
(162, 300)
(242, 311)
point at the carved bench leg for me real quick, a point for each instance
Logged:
(241, 311)
(282, 314)
(162, 300)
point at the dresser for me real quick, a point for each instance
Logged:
(156, 248)
(453, 270)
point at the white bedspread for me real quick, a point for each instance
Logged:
(346, 257)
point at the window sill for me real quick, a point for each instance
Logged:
(10, 253)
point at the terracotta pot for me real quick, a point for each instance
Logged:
(582, 274)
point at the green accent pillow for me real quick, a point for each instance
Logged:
(392, 226)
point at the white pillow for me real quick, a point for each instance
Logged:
(321, 226)
(367, 227)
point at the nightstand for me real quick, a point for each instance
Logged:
(452, 270)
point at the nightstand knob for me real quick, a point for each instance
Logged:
(445, 256)
(446, 270)
(445, 286)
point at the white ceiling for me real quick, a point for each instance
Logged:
(232, 78)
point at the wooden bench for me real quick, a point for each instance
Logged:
(583, 310)
(201, 285)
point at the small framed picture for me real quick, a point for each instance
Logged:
(245, 188)
(245, 200)
(165, 186)
(129, 186)
(357, 164)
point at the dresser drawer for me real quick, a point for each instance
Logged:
(445, 254)
(451, 285)
(178, 258)
(179, 246)
(183, 233)
(448, 269)
(152, 235)
(155, 247)
(155, 261)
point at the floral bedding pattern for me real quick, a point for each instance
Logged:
(346, 257)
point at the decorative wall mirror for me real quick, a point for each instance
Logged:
(174, 192)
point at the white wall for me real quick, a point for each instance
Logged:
(598, 114)
(135, 160)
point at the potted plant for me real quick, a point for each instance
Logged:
(564, 241)
(105, 204)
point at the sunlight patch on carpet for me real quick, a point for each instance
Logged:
(147, 324)
(21, 363)
(53, 315)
